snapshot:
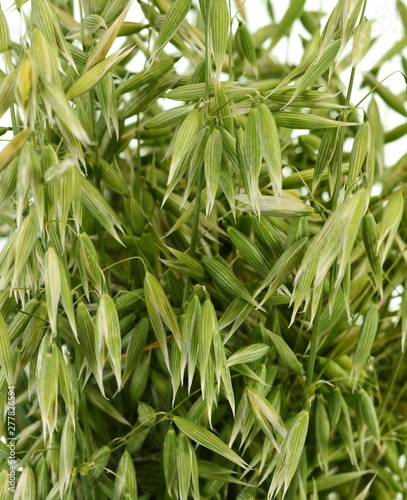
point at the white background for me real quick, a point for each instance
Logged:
(386, 28)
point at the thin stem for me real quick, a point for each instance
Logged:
(207, 66)
(337, 186)
(338, 173)
(98, 178)
(375, 87)
(195, 224)
(231, 75)
(195, 221)
(314, 346)
(85, 419)
(9, 68)
(383, 417)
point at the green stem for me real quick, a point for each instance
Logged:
(383, 416)
(231, 72)
(195, 221)
(98, 178)
(314, 346)
(356, 483)
(195, 224)
(337, 186)
(85, 419)
(9, 69)
(207, 66)
(101, 243)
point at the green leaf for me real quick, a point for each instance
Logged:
(207, 439)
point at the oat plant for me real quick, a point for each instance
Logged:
(203, 286)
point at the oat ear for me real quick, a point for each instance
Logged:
(203, 287)
(172, 22)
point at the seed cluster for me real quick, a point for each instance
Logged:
(203, 287)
